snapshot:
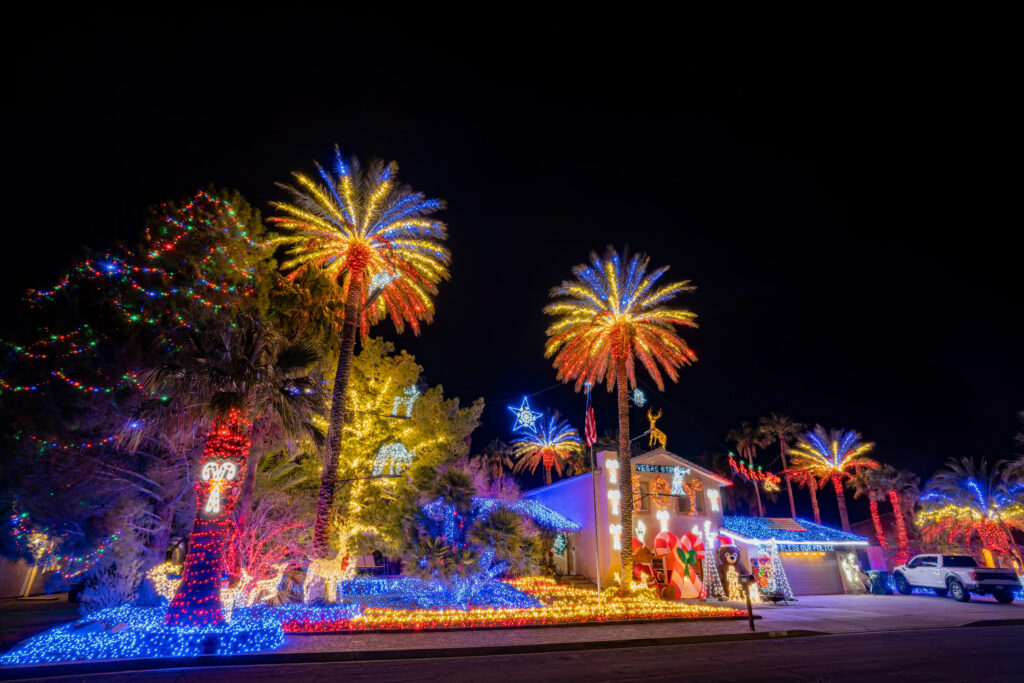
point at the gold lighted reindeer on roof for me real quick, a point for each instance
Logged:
(657, 436)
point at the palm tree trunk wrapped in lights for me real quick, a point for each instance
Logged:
(610, 315)
(371, 236)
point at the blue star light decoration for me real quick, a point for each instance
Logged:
(525, 418)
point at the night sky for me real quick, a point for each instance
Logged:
(842, 206)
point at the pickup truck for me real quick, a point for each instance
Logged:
(957, 575)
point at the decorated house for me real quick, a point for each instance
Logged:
(670, 494)
(673, 495)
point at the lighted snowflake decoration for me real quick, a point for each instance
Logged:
(525, 418)
(382, 279)
(638, 397)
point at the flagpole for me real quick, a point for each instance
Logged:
(597, 522)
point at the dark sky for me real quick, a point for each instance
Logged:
(842, 204)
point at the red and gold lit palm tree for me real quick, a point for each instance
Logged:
(611, 315)
(374, 238)
(837, 456)
(550, 446)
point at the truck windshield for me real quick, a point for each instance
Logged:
(958, 561)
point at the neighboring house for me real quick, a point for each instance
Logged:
(818, 560)
(670, 493)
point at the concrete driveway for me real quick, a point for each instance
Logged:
(859, 613)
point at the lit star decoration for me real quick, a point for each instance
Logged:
(525, 418)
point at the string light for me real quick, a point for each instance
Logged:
(393, 456)
(614, 496)
(612, 467)
(35, 539)
(408, 401)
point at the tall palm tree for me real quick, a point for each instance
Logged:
(550, 446)
(866, 483)
(243, 377)
(497, 457)
(372, 237)
(971, 498)
(611, 315)
(837, 455)
(748, 439)
(784, 430)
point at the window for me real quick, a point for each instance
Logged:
(914, 563)
(683, 504)
(929, 561)
(698, 499)
(958, 561)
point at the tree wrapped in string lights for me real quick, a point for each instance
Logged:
(612, 314)
(372, 237)
(550, 446)
(971, 499)
(832, 456)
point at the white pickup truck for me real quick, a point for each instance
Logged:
(958, 575)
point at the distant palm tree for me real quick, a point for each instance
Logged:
(373, 238)
(496, 458)
(550, 446)
(902, 487)
(835, 456)
(971, 498)
(809, 480)
(611, 315)
(865, 483)
(748, 439)
(784, 430)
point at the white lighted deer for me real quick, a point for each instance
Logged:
(411, 394)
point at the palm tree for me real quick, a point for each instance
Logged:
(374, 239)
(865, 483)
(969, 498)
(611, 315)
(551, 445)
(247, 379)
(497, 457)
(806, 479)
(784, 430)
(748, 439)
(902, 487)
(835, 455)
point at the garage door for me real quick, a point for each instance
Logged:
(812, 574)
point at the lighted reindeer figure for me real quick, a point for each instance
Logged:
(266, 589)
(411, 394)
(657, 436)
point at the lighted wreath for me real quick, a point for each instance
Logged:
(560, 544)
(660, 486)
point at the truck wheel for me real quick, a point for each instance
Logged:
(957, 590)
(941, 592)
(1003, 597)
(903, 586)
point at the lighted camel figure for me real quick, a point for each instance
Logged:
(411, 394)
(657, 436)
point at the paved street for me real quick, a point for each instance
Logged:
(961, 654)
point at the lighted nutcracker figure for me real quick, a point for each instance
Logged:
(221, 472)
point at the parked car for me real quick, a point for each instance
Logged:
(957, 575)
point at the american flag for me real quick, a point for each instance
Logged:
(589, 426)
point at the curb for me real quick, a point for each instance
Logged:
(129, 665)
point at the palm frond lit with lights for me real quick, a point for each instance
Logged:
(616, 309)
(550, 446)
(823, 455)
(362, 228)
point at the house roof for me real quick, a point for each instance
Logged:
(651, 455)
(538, 512)
(786, 530)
